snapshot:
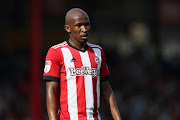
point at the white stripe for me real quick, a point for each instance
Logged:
(57, 44)
(93, 45)
(99, 117)
(98, 54)
(60, 46)
(71, 85)
(88, 86)
(63, 44)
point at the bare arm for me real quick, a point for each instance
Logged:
(108, 95)
(52, 94)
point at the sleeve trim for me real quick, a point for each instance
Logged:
(105, 78)
(51, 78)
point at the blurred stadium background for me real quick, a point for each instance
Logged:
(141, 40)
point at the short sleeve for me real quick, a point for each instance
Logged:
(104, 69)
(52, 66)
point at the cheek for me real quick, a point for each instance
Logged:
(75, 34)
(76, 30)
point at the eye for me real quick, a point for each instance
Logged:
(79, 25)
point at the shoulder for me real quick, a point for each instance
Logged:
(55, 49)
(60, 45)
(94, 46)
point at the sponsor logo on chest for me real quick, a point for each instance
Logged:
(84, 71)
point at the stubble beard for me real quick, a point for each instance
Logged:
(81, 42)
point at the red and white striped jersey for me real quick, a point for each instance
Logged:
(79, 74)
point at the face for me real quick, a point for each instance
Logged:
(78, 28)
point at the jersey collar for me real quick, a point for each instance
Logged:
(85, 48)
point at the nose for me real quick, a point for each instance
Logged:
(83, 28)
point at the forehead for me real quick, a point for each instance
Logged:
(80, 17)
(76, 15)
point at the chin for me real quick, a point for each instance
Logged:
(84, 40)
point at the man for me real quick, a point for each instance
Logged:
(76, 74)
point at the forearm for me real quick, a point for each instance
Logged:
(52, 94)
(51, 101)
(113, 107)
(108, 96)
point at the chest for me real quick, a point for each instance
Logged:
(77, 63)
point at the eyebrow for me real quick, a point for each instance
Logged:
(77, 22)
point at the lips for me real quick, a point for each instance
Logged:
(84, 36)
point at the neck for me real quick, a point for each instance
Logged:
(78, 44)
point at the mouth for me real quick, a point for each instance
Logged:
(84, 36)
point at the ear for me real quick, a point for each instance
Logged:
(67, 28)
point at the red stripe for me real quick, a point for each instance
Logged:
(94, 80)
(81, 98)
(64, 114)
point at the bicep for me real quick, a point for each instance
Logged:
(105, 87)
(105, 90)
(52, 86)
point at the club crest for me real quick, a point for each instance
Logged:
(96, 59)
